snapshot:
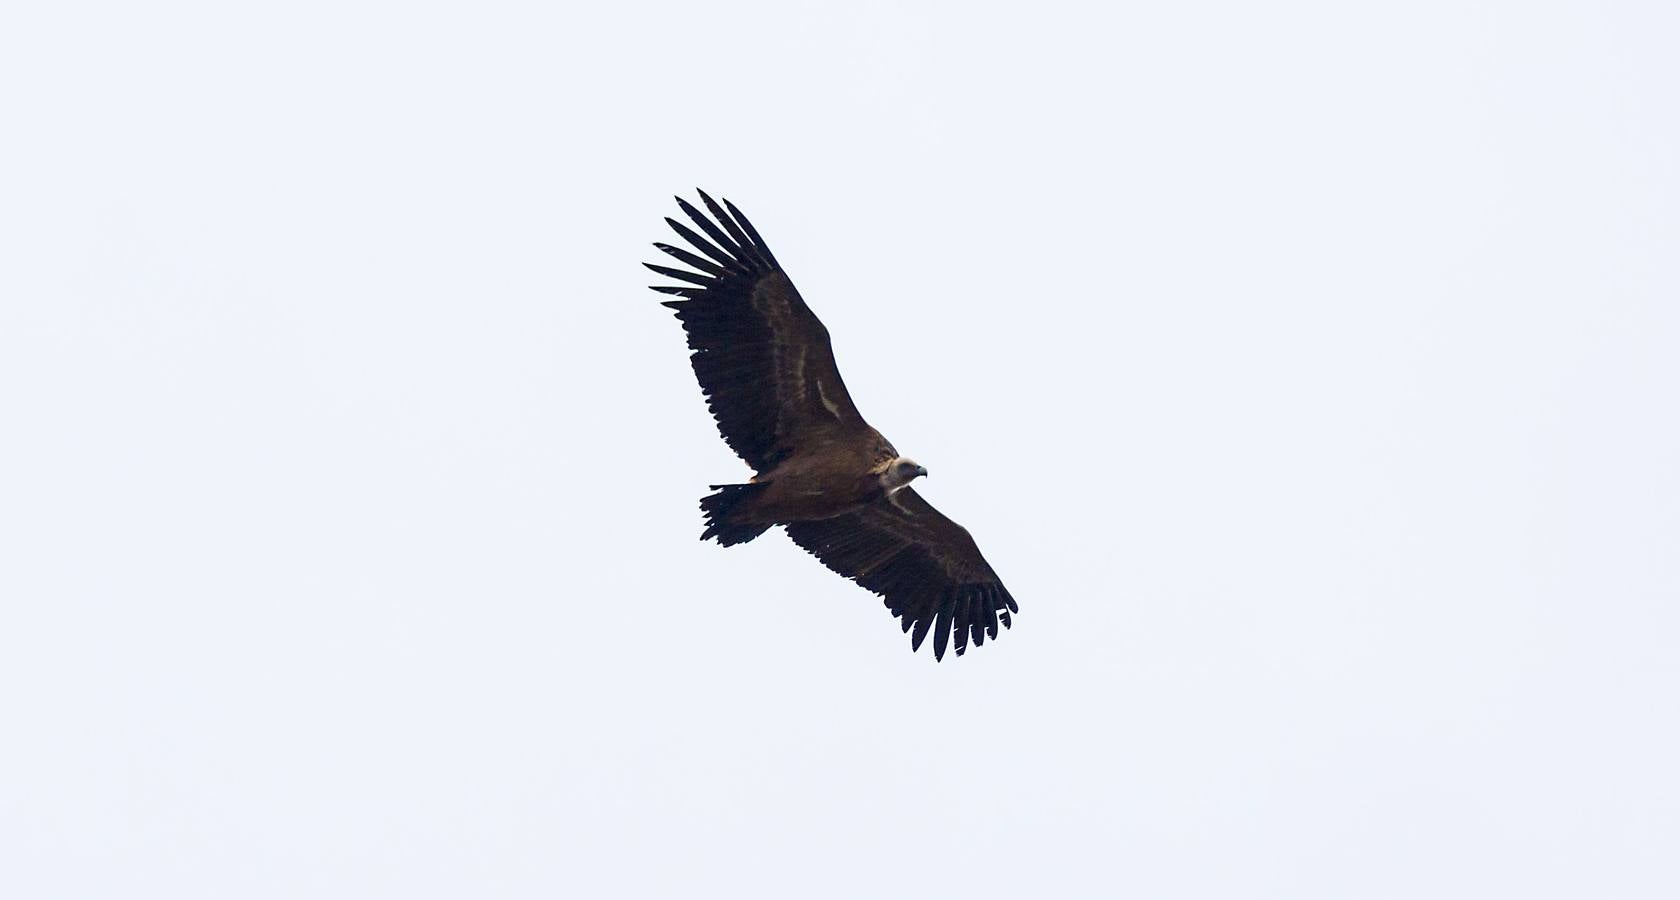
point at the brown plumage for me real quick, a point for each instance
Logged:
(765, 364)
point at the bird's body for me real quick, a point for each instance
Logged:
(840, 488)
(815, 486)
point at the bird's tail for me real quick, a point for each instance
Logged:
(718, 507)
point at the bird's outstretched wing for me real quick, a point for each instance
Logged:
(926, 567)
(762, 357)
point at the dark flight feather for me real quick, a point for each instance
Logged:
(704, 265)
(700, 243)
(763, 249)
(720, 239)
(679, 274)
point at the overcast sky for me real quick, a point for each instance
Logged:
(1307, 370)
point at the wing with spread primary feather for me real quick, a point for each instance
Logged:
(926, 567)
(761, 356)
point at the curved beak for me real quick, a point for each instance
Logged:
(921, 471)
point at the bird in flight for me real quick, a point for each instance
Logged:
(843, 493)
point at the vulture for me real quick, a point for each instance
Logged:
(839, 488)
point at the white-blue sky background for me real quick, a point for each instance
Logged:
(1308, 371)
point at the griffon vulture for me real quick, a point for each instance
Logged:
(839, 488)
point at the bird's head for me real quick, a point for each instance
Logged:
(901, 472)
